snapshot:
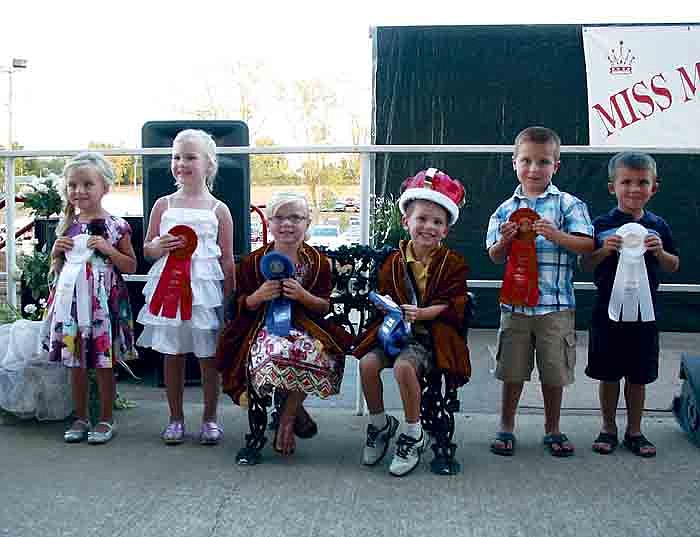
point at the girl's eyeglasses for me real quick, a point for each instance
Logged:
(292, 219)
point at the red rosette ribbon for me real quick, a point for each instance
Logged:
(520, 279)
(175, 283)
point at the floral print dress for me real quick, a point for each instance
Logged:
(110, 337)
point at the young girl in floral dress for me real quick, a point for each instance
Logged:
(89, 314)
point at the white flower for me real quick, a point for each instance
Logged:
(42, 188)
(30, 309)
(42, 302)
(26, 190)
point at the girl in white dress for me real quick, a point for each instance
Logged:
(212, 277)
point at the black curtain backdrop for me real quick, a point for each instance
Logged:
(482, 85)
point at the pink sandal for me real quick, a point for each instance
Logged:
(174, 433)
(210, 434)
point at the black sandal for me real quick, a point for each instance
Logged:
(637, 443)
(508, 447)
(555, 444)
(304, 425)
(608, 439)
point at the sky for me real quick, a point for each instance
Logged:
(98, 70)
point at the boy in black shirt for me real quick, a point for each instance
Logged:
(628, 349)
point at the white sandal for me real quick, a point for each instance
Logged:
(102, 437)
(75, 436)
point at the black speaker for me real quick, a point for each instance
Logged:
(232, 183)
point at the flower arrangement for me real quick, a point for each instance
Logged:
(35, 312)
(42, 195)
(386, 227)
(35, 273)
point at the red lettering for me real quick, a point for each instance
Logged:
(686, 82)
(643, 98)
(616, 112)
(661, 91)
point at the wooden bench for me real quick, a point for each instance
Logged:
(355, 270)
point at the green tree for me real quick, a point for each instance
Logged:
(124, 166)
(41, 167)
(313, 104)
(270, 169)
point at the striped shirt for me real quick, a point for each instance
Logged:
(555, 265)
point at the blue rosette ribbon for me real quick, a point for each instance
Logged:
(394, 331)
(278, 317)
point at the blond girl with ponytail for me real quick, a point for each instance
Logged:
(89, 313)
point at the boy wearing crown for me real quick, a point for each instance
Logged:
(429, 282)
(537, 296)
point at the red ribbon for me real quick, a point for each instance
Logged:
(174, 285)
(520, 279)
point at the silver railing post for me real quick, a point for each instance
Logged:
(10, 245)
(365, 205)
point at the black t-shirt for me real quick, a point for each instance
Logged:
(608, 224)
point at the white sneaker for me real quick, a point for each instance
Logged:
(378, 440)
(408, 452)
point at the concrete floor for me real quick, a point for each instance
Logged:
(135, 486)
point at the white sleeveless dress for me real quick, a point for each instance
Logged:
(199, 334)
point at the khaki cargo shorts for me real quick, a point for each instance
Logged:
(549, 339)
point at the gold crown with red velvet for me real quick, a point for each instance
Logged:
(436, 186)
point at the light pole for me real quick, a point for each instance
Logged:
(17, 65)
(10, 254)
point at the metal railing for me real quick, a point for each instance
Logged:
(366, 152)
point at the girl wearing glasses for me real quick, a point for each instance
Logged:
(310, 360)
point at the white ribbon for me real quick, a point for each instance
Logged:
(73, 283)
(631, 293)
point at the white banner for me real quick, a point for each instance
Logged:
(643, 85)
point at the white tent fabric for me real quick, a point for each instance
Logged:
(30, 385)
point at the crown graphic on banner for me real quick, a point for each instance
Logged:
(621, 60)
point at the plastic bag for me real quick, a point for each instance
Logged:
(30, 385)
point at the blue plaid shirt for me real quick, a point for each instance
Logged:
(555, 265)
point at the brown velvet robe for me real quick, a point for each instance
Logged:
(447, 284)
(234, 344)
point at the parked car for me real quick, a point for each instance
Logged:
(339, 206)
(326, 235)
(352, 235)
(256, 231)
(352, 204)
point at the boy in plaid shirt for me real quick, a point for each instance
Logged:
(563, 232)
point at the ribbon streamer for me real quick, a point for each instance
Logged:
(174, 287)
(394, 331)
(520, 280)
(73, 282)
(631, 294)
(278, 316)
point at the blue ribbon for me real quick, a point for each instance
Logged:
(278, 317)
(394, 331)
